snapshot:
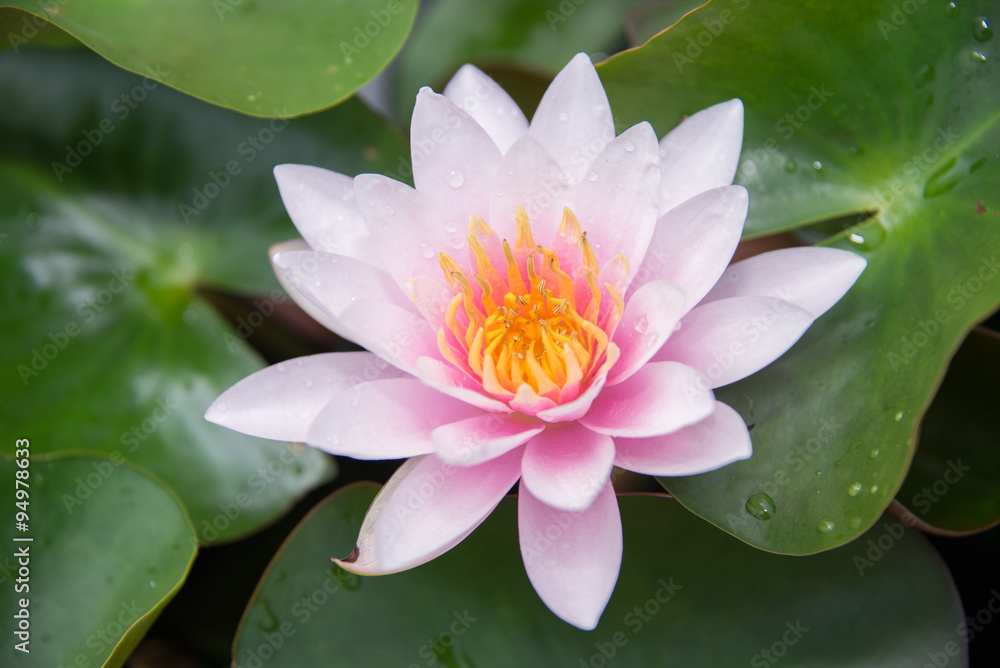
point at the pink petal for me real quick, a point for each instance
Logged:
(410, 228)
(572, 559)
(694, 242)
(431, 299)
(701, 153)
(529, 402)
(281, 401)
(321, 204)
(478, 439)
(529, 177)
(729, 339)
(660, 398)
(334, 282)
(318, 314)
(391, 332)
(438, 504)
(573, 120)
(721, 438)
(364, 558)
(454, 159)
(385, 419)
(812, 278)
(448, 380)
(575, 409)
(616, 202)
(566, 467)
(489, 104)
(651, 316)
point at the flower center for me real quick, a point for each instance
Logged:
(522, 319)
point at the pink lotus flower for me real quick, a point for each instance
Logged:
(549, 301)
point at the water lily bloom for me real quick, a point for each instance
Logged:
(549, 301)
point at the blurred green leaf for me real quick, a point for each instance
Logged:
(109, 547)
(259, 57)
(118, 204)
(952, 483)
(681, 582)
(835, 132)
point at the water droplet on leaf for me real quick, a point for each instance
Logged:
(826, 525)
(855, 489)
(982, 29)
(977, 57)
(761, 506)
(873, 454)
(951, 9)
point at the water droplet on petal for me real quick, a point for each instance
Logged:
(591, 176)
(332, 440)
(761, 506)
(641, 323)
(629, 146)
(450, 226)
(855, 489)
(563, 116)
(455, 179)
(309, 382)
(426, 251)
(982, 29)
(221, 407)
(652, 338)
(390, 210)
(826, 525)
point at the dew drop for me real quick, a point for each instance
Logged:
(873, 489)
(563, 116)
(651, 339)
(855, 489)
(355, 399)
(761, 506)
(791, 166)
(332, 440)
(817, 165)
(898, 416)
(641, 323)
(450, 226)
(426, 251)
(591, 176)
(977, 57)
(873, 454)
(855, 522)
(309, 382)
(221, 407)
(629, 146)
(818, 472)
(826, 525)
(152, 584)
(868, 236)
(982, 29)
(455, 179)
(390, 210)
(951, 9)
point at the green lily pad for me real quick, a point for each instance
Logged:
(681, 581)
(259, 57)
(105, 549)
(896, 146)
(952, 485)
(109, 345)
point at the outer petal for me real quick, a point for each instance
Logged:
(701, 153)
(719, 439)
(454, 158)
(566, 467)
(730, 339)
(650, 317)
(659, 399)
(812, 278)
(481, 438)
(529, 177)
(694, 242)
(438, 504)
(385, 419)
(572, 559)
(616, 202)
(393, 333)
(489, 104)
(321, 204)
(315, 312)
(410, 228)
(573, 119)
(281, 401)
(334, 282)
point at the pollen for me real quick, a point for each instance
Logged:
(521, 317)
